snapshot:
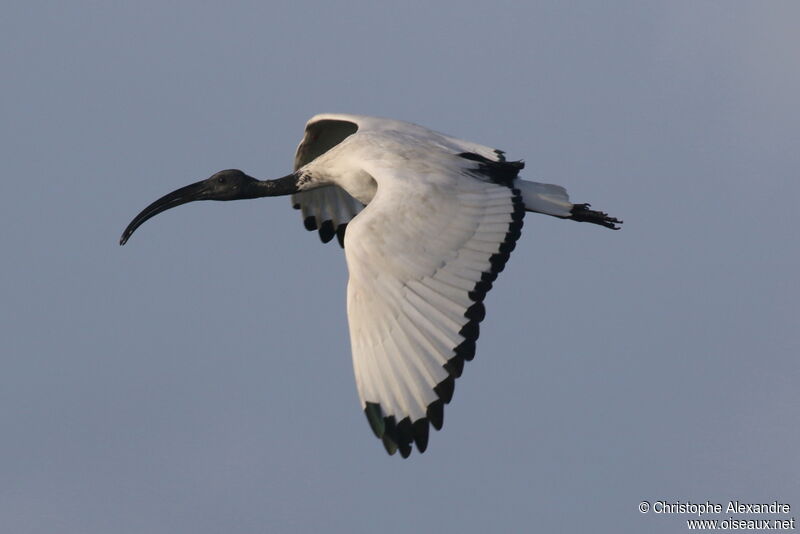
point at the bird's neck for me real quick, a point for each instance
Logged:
(287, 185)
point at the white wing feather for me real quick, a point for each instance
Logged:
(421, 257)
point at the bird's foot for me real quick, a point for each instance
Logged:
(582, 213)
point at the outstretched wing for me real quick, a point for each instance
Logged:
(327, 209)
(421, 257)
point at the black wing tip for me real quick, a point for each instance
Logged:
(582, 213)
(435, 414)
(389, 445)
(421, 430)
(445, 389)
(326, 231)
(405, 436)
(455, 366)
(375, 418)
(476, 312)
(399, 436)
(310, 223)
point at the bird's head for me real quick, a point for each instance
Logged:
(230, 184)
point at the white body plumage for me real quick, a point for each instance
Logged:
(440, 221)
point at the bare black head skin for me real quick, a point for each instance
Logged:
(231, 184)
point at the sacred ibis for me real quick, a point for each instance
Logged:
(427, 222)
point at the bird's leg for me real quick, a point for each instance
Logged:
(582, 213)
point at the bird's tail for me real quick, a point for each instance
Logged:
(553, 200)
(549, 199)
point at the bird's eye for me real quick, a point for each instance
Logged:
(221, 180)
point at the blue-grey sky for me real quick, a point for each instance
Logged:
(198, 380)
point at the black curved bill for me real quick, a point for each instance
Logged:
(189, 193)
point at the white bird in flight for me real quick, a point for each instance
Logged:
(427, 221)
